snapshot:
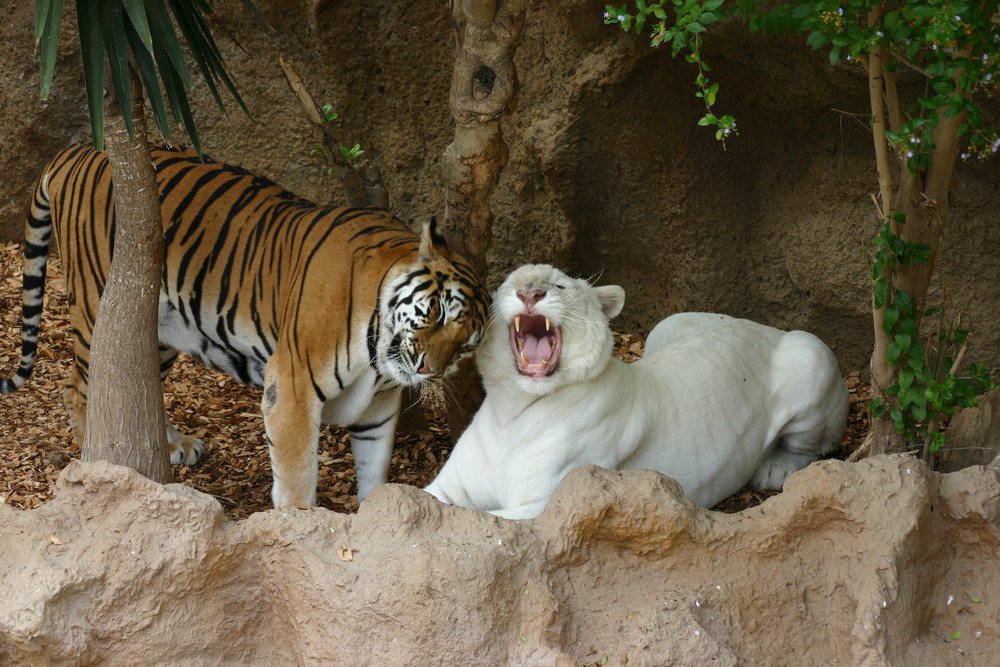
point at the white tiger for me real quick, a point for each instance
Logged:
(715, 401)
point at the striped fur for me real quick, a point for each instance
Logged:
(331, 310)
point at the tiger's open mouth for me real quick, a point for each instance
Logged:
(536, 344)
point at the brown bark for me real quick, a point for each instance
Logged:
(483, 89)
(125, 416)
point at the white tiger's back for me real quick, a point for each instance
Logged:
(756, 402)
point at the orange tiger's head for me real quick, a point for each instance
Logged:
(433, 310)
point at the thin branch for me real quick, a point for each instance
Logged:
(916, 68)
(360, 178)
(894, 108)
(876, 93)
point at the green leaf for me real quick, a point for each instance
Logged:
(169, 53)
(905, 378)
(146, 66)
(710, 93)
(206, 52)
(881, 292)
(92, 50)
(249, 4)
(42, 8)
(904, 303)
(892, 353)
(903, 341)
(112, 19)
(48, 20)
(890, 318)
(816, 39)
(896, 415)
(136, 12)
(908, 325)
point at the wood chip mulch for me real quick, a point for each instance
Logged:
(36, 443)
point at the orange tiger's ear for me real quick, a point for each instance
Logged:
(432, 243)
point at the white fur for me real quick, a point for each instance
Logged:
(714, 403)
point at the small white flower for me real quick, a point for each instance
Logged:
(909, 154)
(964, 156)
(840, 11)
(879, 33)
(606, 15)
(621, 18)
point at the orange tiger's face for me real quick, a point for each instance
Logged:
(434, 310)
(429, 316)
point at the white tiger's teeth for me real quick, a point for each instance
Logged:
(517, 323)
(524, 360)
(548, 325)
(544, 363)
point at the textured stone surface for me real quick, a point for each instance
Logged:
(880, 562)
(609, 174)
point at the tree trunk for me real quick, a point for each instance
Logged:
(125, 416)
(924, 201)
(483, 89)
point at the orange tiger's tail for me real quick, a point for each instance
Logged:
(37, 235)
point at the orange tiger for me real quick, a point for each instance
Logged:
(332, 310)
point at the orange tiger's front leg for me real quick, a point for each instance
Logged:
(292, 422)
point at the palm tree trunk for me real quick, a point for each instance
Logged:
(125, 416)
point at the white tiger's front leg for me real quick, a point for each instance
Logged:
(372, 439)
(291, 420)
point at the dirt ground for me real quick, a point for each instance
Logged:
(36, 443)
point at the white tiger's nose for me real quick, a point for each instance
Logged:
(530, 296)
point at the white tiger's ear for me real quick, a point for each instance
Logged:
(432, 243)
(612, 298)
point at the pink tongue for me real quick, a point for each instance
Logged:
(536, 349)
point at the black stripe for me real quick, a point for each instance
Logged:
(361, 428)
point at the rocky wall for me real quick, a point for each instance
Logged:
(876, 563)
(609, 175)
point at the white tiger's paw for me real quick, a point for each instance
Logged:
(775, 469)
(185, 450)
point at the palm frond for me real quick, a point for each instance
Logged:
(140, 34)
(48, 19)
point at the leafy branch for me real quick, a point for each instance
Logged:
(681, 28)
(955, 46)
(927, 390)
